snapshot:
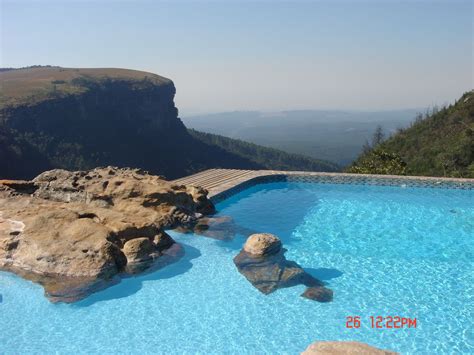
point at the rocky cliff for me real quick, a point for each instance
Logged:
(53, 117)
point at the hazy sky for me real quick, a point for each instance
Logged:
(266, 55)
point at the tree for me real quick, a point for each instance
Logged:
(378, 136)
(366, 148)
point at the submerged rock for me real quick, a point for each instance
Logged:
(320, 294)
(220, 228)
(262, 261)
(343, 348)
(74, 232)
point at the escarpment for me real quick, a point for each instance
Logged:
(76, 232)
(78, 119)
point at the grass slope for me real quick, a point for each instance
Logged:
(33, 84)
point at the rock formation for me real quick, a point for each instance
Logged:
(343, 348)
(263, 263)
(74, 232)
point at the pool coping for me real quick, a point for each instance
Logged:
(223, 183)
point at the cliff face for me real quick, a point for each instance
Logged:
(90, 120)
(109, 104)
(111, 123)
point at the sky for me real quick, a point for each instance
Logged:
(262, 55)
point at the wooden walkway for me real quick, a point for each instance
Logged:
(219, 180)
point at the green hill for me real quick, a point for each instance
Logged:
(269, 158)
(439, 144)
(52, 117)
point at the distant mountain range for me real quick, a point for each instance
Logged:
(337, 136)
(72, 118)
(438, 144)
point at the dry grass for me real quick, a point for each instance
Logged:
(35, 84)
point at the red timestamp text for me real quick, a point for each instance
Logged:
(379, 322)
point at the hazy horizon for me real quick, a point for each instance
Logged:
(275, 113)
(259, 56)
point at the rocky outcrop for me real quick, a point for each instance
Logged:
(74, 232)
(263, 263)
(343, 348)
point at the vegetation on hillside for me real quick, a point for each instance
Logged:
(268, 158)
(439, 143)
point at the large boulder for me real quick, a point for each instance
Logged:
(74, 232)
(343, 348)
(263, 263)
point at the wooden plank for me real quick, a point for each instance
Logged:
(214, 177)
(234, 179)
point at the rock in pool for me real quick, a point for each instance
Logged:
(262, 261)
(261, 244)
(219, 228)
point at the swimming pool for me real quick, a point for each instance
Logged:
(383, 250)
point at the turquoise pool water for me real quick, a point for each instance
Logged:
(384, 251)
